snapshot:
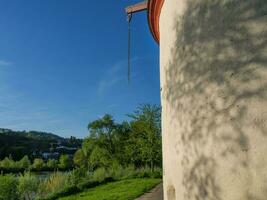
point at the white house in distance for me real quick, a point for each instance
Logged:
(213, 73)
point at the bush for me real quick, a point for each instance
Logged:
(144, 173)
(52, 164)
(7, 163)
(27, 186)
(77, 175)
(129, 172)
(65, 162)
(64, 192)
(157, 173)
(8, 187)
(38, 164)
(116, 171)
(100, 174)
(24, 163)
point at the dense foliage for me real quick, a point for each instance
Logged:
(137, 142)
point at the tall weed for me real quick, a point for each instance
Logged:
(57, 182)
(8, 187)
(27, 186)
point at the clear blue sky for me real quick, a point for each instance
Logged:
(63, 63)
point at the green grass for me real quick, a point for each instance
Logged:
(121, 190)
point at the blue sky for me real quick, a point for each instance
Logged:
(63, 63)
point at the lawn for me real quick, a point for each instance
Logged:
(121, 190)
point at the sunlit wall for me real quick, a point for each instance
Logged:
(214, 99)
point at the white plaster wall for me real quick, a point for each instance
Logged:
(213, 65)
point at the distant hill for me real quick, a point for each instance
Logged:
(20, 143)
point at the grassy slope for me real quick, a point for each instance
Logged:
(121, 190)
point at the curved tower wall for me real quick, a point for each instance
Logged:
(213, 65)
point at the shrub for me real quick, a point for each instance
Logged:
(157, 173)
(24, 163)
(76, 175)
(100, 174)
(52, 164)
(144, 173)
(65, 162)
(7, 163)
(116, 171)
(129, 172)
(8, 187)
(27, 186)
(38, 164)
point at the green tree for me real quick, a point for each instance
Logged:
(8, 163)
(38, 164)
(148, 113)
(65, 162)
(146, 135)
(121, 141)
(52, 164)
(24, 163)
(137, 142)
(103, 130)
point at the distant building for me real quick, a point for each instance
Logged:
(48, 155)
(56, 150)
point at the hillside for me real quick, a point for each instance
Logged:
(20, 143)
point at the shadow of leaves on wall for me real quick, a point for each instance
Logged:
(218, 66)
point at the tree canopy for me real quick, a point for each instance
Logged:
(135, 142)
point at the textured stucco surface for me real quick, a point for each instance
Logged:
(213, 65)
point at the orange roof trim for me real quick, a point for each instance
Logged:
(153, 14)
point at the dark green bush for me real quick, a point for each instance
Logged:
(157, 174)
(143, 174)
(91, 184)
(65, 192)
(77, 175)
(100, 174)
(87, 184)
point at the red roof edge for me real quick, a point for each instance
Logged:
(153, 14)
